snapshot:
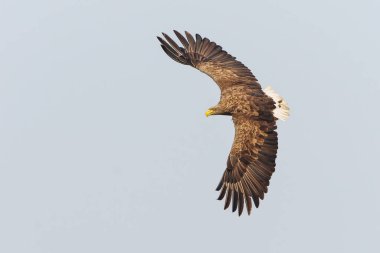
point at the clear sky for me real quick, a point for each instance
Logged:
(104, 146)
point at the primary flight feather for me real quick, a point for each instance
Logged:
(254, 111)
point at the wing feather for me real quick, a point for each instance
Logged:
(228, 198)
(198, 43)
(191, 41)
(222, 193)
(172, 43)
(167, 47)
(182, 39)
(235, 200)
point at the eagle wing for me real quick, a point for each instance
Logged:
(209, 58)
(250, 164)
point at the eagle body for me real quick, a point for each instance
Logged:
(254, 112)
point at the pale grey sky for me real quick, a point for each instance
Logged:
(104, 146)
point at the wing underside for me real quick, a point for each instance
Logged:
(209, 58)
(250, 165)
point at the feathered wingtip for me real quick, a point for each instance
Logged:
(194, 50)
(282, 109)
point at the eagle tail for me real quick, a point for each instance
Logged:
(282, 109)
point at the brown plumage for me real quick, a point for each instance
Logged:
(251, 161)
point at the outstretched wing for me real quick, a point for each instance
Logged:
(250, 164)
(209, 58)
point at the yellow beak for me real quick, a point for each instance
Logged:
(209, 112)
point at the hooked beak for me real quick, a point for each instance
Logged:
(209, 112)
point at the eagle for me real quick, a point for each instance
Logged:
(254, 112)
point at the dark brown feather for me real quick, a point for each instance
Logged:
(172, 43)
(191, 41)
(235, 200)
(241, 203)
(168, 47)
(228, 198)
(182, 39)
(198, 43)
(222, 193)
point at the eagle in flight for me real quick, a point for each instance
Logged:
(251, 161)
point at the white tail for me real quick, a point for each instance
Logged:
(282, 108)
